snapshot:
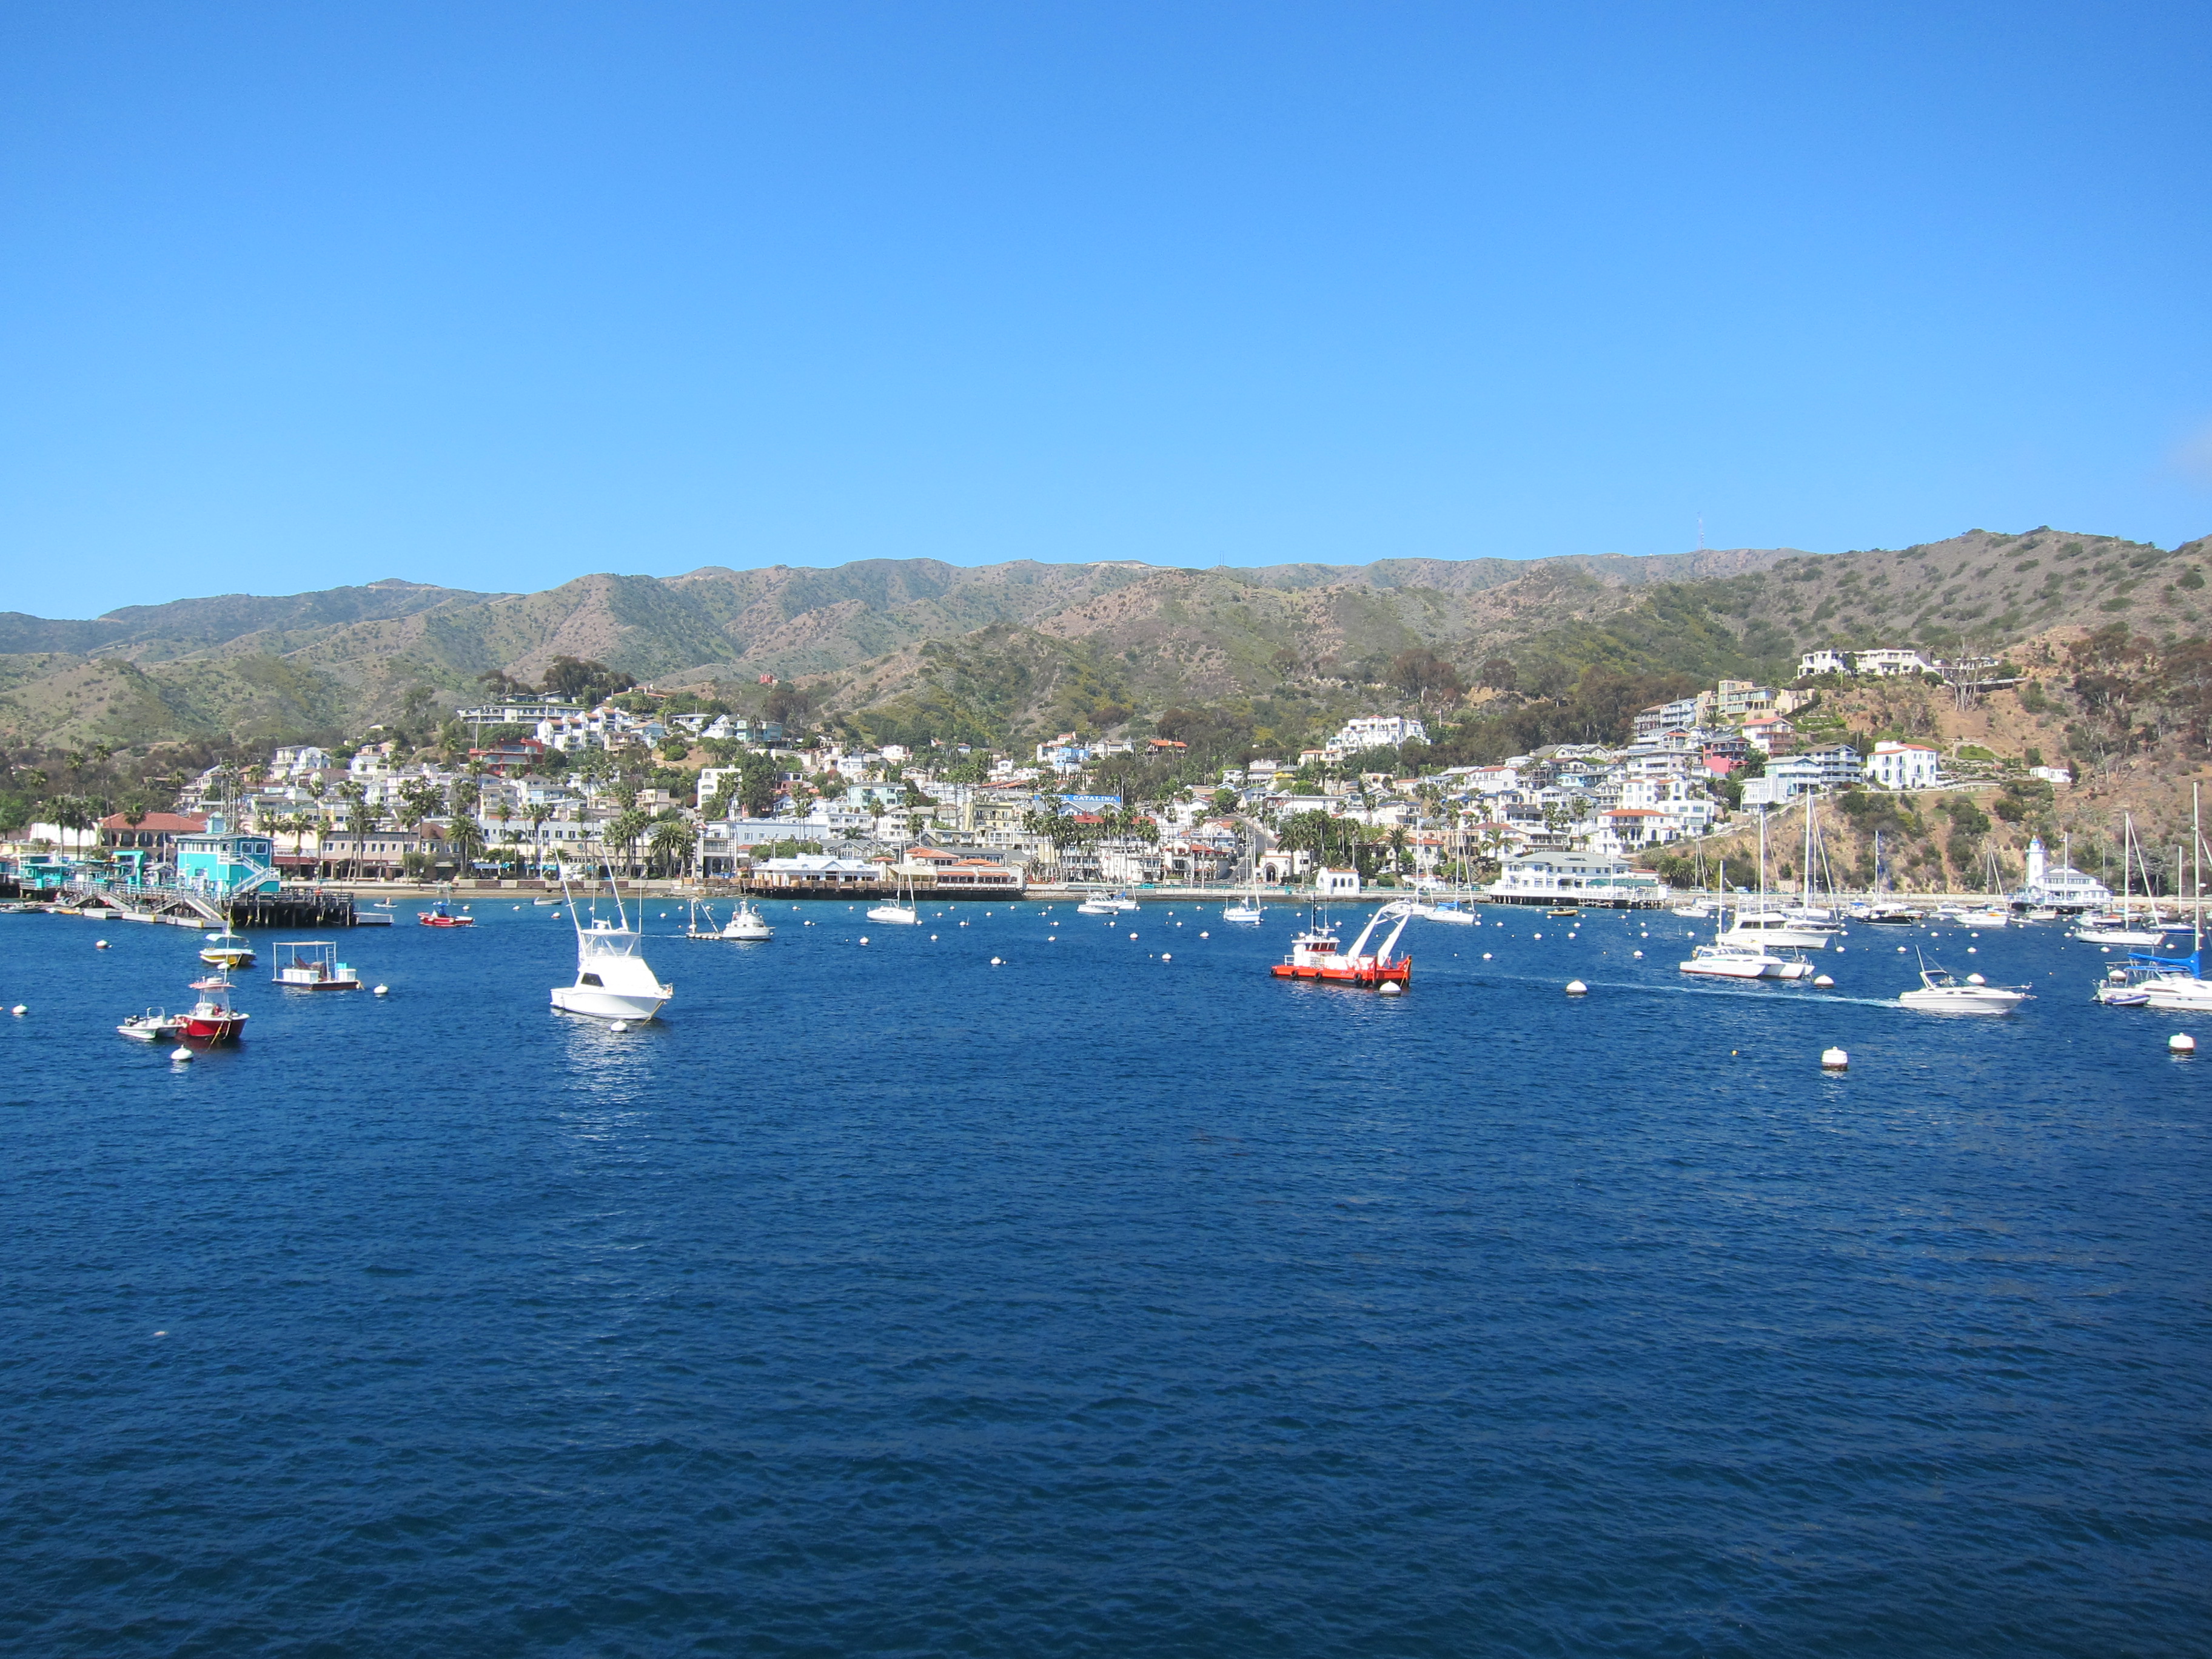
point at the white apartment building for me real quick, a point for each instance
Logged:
(1822, 662)
(1888, 661)
(1904, 765)
(1375, 731)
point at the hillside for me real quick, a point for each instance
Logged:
(995, 652)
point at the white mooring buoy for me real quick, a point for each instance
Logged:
(180, 1052)
(19, 1010)
(1166, 956)
(621, 1026)
(1822, 982)
(994, 962)
(1577, 988)
(1835, 1060)
(1390, 987)
(2181, 1043)
(382, 991)
(100, 944)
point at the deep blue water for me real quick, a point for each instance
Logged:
(885, 1302)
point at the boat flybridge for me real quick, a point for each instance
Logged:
(613, 982)
(1316, 953)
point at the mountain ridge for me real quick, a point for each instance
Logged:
(1098, 636)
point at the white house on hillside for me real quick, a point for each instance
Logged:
(1904, 765)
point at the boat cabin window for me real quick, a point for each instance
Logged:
(590, 979)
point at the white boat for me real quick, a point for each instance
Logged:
(1703, 910)
(613, 982)
(902, 910)
(1733, 960)
(2120, 926)
(313, 965)
(1989, 918)
(1729, 957)
(1762, 927)
(1098, 905)
(154, 1025)
(227, 950)
(1447, 910)
(1122, 902)
(1244, 912)
(746, 924)
(1942, 993)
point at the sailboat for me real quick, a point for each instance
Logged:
(1762, 926)
(1246, 912)
(613, 982)
(1874, 911)
(1734, 957)
(901, 911)
(2175, 983)
(2121, 929)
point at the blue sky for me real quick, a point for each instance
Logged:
(499, 294)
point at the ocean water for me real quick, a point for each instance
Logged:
(1116, 1299)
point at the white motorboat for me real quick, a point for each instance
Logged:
(1098, 907)
(1987, 918)
(1942, 992)
(154, 1025)
(613, 982)
(313, 965)
(227, 950)
(746, 924)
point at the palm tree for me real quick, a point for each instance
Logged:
(466, 837)
(539, 811)
(671, 843)
(625, 830)
(355, 793)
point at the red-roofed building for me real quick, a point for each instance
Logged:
(153, 830)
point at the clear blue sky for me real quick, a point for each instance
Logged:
(499, 294)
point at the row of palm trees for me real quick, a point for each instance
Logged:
(668, 843)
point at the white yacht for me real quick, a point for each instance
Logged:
(613, 982)
(746, 924)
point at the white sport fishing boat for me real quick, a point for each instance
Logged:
(1942, 992)
(613, 982)
(744, 924)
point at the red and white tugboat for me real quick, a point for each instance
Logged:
(1317, 954)
(211, 1019)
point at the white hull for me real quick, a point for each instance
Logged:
(2180, 995)
(1962, 1000)
(1747, 964)
(1247, 915)
(900, 915)
(1790, 937)
(2118, 936)
(597, 1002)
(1445, 913)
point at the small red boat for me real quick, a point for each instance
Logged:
(1317, 954)
(440, 914)
(211, 1019)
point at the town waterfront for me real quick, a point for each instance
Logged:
(1114, 1299)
